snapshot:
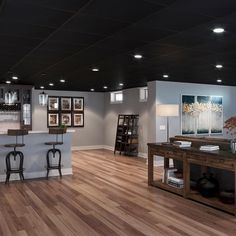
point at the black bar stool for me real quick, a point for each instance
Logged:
(54, 150)
(15, 154)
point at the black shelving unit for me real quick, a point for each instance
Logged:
(127, 135)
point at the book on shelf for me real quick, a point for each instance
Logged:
(175, 182)
(209, 148)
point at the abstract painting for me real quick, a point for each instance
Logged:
(202, 115)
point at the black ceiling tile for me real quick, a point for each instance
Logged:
(129, 11)
(162, 2)
(142, 33)
(63, 5)
(73, 37)
(24, 30)
(61, 46)
(94, 25)
(31, 14)
(214, 8)
(176, 18)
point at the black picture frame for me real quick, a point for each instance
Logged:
(66, 119)
(53, 119)
(78, 119)
(78, 104)
(65, 104)
(53, 103)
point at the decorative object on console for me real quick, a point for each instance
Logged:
(167, 110)
(230, 125)
(208, 186)
(227, 196)
(202, 114)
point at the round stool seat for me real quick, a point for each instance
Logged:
(53, 143)
(14, 145)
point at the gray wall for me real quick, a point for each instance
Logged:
(130, 105)
(92, 133)
(170, 92)
(101, 116)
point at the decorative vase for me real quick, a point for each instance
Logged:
(233, 145)
(207, 185)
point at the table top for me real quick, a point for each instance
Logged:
(193, 150)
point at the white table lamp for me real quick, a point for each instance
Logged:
(167, 110)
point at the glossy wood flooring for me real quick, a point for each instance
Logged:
(107, 195)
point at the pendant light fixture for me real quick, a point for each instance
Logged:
(43, 99)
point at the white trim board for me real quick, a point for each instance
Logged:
(39, 174)
(110, 148)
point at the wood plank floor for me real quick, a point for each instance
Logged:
(107, 195)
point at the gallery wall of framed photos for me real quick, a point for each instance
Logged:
(68, 111)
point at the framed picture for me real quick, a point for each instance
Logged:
(78, 119)
(65, 104)
(78, 104)
(53, 103)
(53, 119)
(66, 119)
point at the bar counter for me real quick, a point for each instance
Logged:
(35, 152)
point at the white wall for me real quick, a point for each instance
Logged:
(92, 132)
(170, 92)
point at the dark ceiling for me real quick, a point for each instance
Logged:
(44, 40)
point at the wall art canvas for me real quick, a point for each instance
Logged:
(202, 115)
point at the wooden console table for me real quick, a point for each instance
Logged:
(217, 159)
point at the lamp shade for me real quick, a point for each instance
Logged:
(168, 110)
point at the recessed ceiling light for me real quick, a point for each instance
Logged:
(121, 84)
(62, 81)
(42, 87)
(14, 77)
(218, 66)
(8, 82)
(138, 56)
(92, 90)
(218, 30)
(105, 87)
(95, 69)
(165, 76)
(219, 81)
(51, 84)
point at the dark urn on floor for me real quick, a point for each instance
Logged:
(208, 186)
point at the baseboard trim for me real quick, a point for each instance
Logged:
(81, 148)
(39, 174)
(110, 148)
